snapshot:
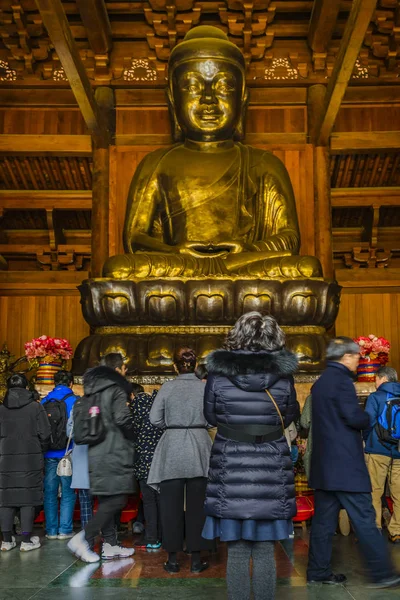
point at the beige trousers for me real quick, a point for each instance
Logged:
(381, 468)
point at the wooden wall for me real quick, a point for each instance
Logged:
(363, 313)
(41, 121)
(368, 118)
(25, 317)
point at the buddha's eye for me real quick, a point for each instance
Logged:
(224, 87)
(193, 87)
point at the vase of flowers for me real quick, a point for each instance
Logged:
(374, 353)
(51, 354)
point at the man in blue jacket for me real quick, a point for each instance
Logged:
(59, 526)
(383, 459)
(338, 471)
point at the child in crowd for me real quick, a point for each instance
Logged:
(147, 437)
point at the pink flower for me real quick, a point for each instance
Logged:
(47, 346)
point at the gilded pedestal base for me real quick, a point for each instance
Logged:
(150, 350)
(149, 319)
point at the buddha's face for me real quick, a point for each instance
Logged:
(208, 98)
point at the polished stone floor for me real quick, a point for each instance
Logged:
(51, 573)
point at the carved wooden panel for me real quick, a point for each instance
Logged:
(273, 34)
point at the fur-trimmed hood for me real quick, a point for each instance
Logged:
(252, 371)
(100, 378)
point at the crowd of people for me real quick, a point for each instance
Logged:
(211, 453)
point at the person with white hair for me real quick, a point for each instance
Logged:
(339, 474)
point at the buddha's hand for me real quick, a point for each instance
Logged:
(214, 248)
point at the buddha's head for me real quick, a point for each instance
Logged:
(206, 87)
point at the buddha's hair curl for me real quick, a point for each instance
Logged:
(185, 360)
(256, 333)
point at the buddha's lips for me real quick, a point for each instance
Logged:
(209, 116)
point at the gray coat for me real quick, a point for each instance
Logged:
(80, 461)
(180, 453)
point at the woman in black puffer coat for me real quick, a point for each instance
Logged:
(250, 493)
(24, 434)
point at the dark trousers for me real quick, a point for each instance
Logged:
(178, 524)
(27, 516)
(151, 512)
(104, 519)
(373, 545)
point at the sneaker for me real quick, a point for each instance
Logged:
(395, 539)
(34, 544)
(155, 546)
(138, 527)
(65, 536)
(51, 536)
(79, 546)
(7, 546)
(110, 552)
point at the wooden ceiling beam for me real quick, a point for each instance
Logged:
(57, 26)
(60, 145)
(96, 22)
(365, 141)
(322, 24)
(45, 200)
(356, 27)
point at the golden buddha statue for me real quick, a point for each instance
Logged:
(210, 206)
(211, 232)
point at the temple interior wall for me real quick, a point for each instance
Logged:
(53, 307)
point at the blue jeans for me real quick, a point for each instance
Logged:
(67, 503)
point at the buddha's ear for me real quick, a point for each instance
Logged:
(240, 131)
(177, 133)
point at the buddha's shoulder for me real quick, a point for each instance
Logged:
(263, 161)
(152, 159)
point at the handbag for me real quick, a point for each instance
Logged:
(64, 467)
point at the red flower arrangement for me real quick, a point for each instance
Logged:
(374, 348)
(48, 346)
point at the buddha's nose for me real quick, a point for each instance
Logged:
(208, 96)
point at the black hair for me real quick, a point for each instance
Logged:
(255, 332)
(63, 378)
(113, 360)
(36, 395)
(185, 360)
(18, 380)
(136, 388)
(201, 371)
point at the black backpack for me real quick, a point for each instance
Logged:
(57, 414)
(88, 423)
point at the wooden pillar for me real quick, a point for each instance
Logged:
(101, 181)
(322, 186)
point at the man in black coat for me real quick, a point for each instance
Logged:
(338, 471)
(110, 461)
